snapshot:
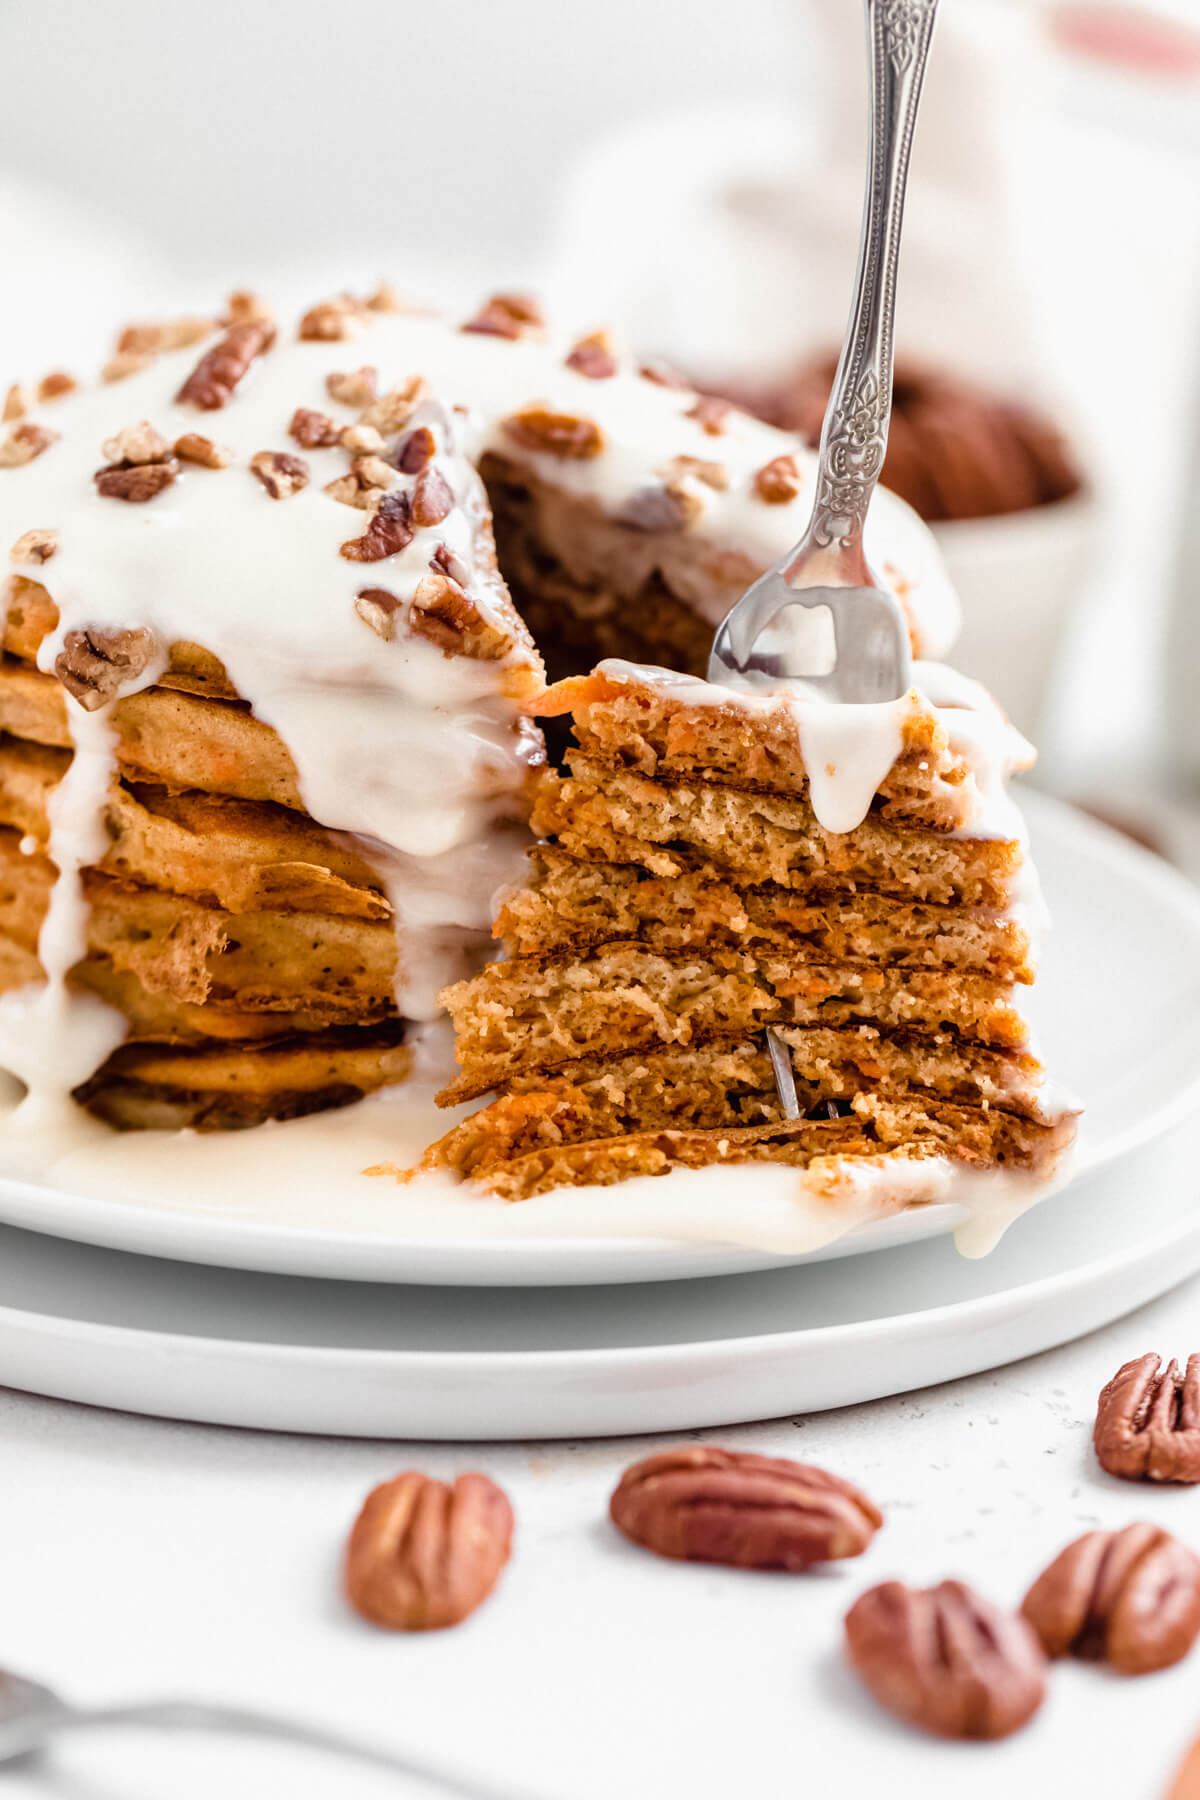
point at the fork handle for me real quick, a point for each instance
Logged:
(189, 1715)
(854, 434)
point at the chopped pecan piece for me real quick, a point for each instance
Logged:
(36, 546)
(313, 430)
(194, 447)
(432, 498)
(508, 316)
(138, 443)
(361, 440)
(594, 357)
(778, 481)
(146, 340)
(378, 607)
(444, 559)
(16, 403)
(1130, 1598)
(444, 615)
(353, 387)
(330, 320)
(946, 1660)
(25, 442)
(555, 434)
(55, 385)
(710, 413)
(1148, 1423)
(417, 449)
(663, 375)
(668, 508)
(369, 478)
(392, 411)
(385, 299)
(424, 1554)
(281, 473)
(713, 474)
(94, 665)
(136, 482)
(125, 363)
(245, 307)
(212, 382)
(755, 1512)
(388, 531)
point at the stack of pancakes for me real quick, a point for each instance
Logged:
(687, 897)
(254, 953)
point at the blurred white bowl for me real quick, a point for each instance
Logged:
(1020, 579)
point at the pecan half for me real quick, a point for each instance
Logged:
(555, 434)
(24, 442)
(36, 546)
(281, 473)
(313, 430)
(1148, 1424)
(508, 316)
(946, 1660)
(423, 1554)
(94, 665)
(778, 481)
(389, 531)
(432, 497)
(353, 387)
(212, 382)
(594, 357)
(1130, 1598)
(754, 1512)
(194, 447)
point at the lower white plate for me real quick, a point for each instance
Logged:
(1117, 1014)
(465, 1363)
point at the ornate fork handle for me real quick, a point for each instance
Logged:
(855, 433)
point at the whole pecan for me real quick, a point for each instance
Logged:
(1130, 1598)
(947, 1660)
(1148, 1424)
(423, 1554)
(214, 378)
(753, 1512)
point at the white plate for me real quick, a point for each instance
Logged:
(371, 1360)
(1117, 1011)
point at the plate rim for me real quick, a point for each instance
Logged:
(197, 1237)
(981, 1309)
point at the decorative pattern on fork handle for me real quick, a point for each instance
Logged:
(854, 437)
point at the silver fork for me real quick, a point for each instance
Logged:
(828, 567)
(32, 1715)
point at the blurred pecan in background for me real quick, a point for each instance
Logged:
(424, 1554)
(755, 1512)
(1130, 1598)
(946, 1660)
(1148, 1424)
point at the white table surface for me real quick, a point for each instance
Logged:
(139, 1556)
